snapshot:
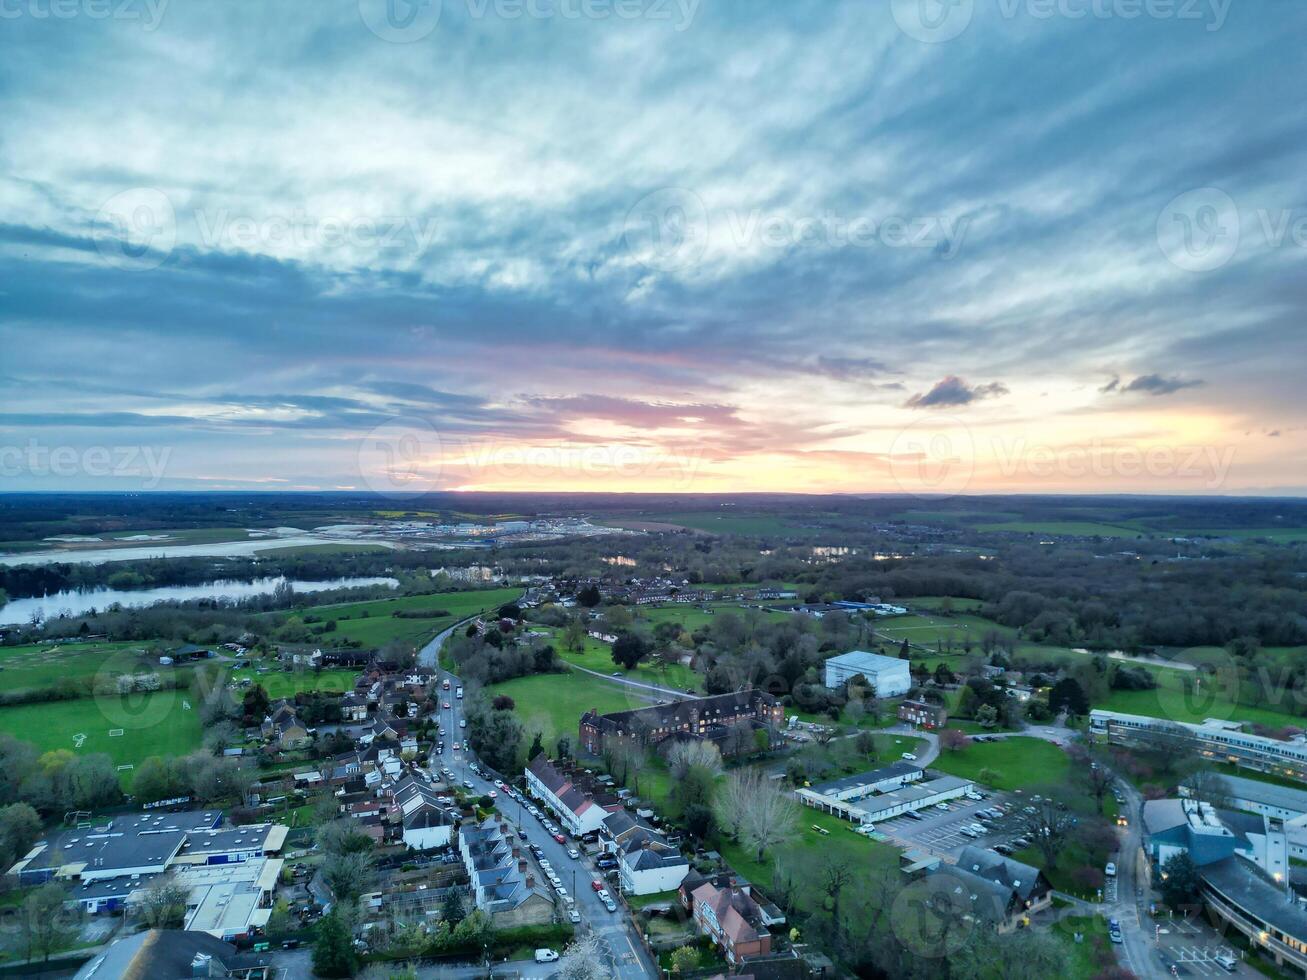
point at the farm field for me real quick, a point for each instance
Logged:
(158, 723)
(373, 623)
(43, 664)
(322, 549)
(1017, 763)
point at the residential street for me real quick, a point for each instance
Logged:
(627, 958)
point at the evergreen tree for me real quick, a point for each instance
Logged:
(333, 952)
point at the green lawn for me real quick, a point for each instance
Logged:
(159, 723)
(1168, 700)
(1017, 762)
(598, 656)
(553, 703)
(280, 684)
(42, 664)
(1091, 956)
(374, 624)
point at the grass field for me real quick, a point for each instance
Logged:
(43, 664)
(281, 684)
(598, 656)
(553, 703)
(373, 623)
(159, 723)
(1017, 763)
(1075, 528)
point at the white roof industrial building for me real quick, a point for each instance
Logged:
(889, 675)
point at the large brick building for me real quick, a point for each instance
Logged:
(729, 720)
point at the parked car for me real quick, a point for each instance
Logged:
(597, 885)
(573, 916)
(1110, 870)
(573, 853)
(560, 838)
(610, 905)
(546, 956)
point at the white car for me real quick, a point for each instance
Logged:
(610, 905)
(573, 853)
(911, 757)
(546, 956)
(562, 892)
(574, 916)
(1110, 870)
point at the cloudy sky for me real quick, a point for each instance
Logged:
(654, 245)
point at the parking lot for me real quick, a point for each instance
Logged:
(942, 830)
(1192, 948)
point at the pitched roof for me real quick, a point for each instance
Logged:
(1021, 879)
(737, 913)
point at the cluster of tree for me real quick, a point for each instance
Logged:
(201, 776)
(56, 781)
(495, 734)
(494, 657)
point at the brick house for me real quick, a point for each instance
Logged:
(923, 713)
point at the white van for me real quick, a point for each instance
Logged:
(1227, 961)
(909, 756)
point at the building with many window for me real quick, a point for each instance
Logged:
(729, 720)
(923, 713)
(1214, 739)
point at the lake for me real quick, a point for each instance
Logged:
(82, 601)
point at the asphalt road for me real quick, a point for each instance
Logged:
(628, 961)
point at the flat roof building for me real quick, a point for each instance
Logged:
(888, 675)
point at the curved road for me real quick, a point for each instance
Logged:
(627, 958)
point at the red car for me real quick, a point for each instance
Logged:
(597, 885)
(560, 838)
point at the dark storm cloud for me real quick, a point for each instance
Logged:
(953, 391)
(1156, 384)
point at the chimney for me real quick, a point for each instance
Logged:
(530, 882)
(521, 865)
(517, 852)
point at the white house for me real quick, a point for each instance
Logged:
(427, 823)
(889, 675)
(646, 863)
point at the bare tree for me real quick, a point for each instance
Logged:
(684, 756)
(1209, 786)
(760, 815)
(347, 875)
(1048, 827)
(1098, 781)
(836, 875)
(164, 904)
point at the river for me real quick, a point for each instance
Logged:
(81, 601)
